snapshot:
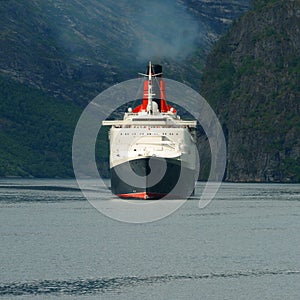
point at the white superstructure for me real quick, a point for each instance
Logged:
(142, 135)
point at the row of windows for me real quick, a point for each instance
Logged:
(150, 126)
(149, 133)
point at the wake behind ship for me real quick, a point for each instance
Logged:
(152, 150)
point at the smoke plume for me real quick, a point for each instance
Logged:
(169, 31)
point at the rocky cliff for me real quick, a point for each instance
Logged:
(252, 79)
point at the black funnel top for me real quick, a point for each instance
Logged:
(156, 69)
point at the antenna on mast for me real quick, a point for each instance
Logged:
(150, 102)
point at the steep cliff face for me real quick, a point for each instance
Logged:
(252, 80)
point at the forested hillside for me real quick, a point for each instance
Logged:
(35, 132)
(252, 79)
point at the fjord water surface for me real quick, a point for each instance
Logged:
(243, 245)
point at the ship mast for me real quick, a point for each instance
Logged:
(150, 94)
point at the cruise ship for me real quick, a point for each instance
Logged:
(152, 150)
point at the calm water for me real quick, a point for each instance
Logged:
(244, 245)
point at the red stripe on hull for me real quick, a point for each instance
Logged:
(142, 195)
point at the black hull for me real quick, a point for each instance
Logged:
(164, 188)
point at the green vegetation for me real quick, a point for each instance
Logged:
(260, 4)
(252, 81)
(36, 132)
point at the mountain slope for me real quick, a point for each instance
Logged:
(56, 56)
(35, 132)
(252, 80)
(75, 49)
